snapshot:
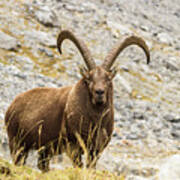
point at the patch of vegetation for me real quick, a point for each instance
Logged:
(11, 172)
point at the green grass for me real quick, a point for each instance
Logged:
(11, 172)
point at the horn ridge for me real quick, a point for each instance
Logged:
(121, 45)
(66, 34)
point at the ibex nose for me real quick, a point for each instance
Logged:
(99, 92)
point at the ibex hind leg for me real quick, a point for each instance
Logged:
(44, 157)
(19, 153)
(76, 156)
(77, 160)
(93, 157)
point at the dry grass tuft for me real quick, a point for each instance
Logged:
(11, 172)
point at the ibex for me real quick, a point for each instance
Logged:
(73, 119)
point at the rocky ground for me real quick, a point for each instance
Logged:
(146, 139)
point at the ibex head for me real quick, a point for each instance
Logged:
(99, 78)
(98, 81)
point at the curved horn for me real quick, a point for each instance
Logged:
(116, 50)
(65, 34)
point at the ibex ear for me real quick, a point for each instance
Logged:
(84, 72)
(113, 72)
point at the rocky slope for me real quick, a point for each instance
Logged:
(147, 98)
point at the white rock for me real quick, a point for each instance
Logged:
(170, 170)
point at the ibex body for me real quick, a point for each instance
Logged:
(74, 119)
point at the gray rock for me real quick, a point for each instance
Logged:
(176, 126)
(8, 42)
(46, 51)
(116, 136)
(47, 17)
(21, 76)
(172, 64)
(117, 28)
(43, 38)
(144, 28)
(138, 115)
(177, 47)
(144, 172)
(170, 117)
(165, 38)
(175, 133)
(124, 83)
(133, 136)
(177, 13)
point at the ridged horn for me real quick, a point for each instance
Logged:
(66, 34)
(117, 49)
